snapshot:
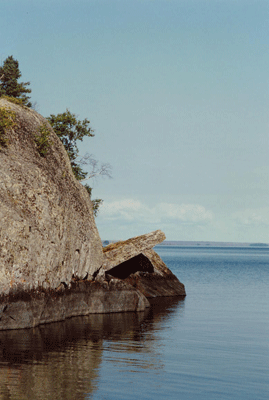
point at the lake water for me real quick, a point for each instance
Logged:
(214, 344)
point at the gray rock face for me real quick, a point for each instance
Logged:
(47, 227)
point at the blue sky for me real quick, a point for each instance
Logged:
(177, 93)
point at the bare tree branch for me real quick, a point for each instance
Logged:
(95, 169)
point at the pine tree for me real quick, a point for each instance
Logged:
(9, 85)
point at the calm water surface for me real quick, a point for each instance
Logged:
(211, 345)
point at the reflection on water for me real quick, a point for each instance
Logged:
(62, 360)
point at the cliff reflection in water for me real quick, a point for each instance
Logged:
(63, 360)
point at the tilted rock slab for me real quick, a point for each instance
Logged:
(117, 253)
(47, 226)
(135, 262)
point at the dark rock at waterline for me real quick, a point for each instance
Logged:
(159, 283)
(115, 288)
(29, 309)
(122, 287)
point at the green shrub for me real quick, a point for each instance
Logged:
(42, 140)
(96, 203)
(7, 121)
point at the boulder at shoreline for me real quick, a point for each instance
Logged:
(135, 261)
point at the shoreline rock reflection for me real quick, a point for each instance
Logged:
(63, 359)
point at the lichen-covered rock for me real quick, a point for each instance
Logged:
(47, 226)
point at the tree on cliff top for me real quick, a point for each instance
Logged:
(66, 125)
(9, 85)
(70, 130)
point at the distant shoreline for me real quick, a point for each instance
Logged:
(184, 243)
(211, 244)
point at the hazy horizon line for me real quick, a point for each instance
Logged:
(201, 242)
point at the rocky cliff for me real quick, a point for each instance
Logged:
(47, 229)
(52, 263)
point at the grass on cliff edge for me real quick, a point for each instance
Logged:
(7, 121)
(14, 100)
